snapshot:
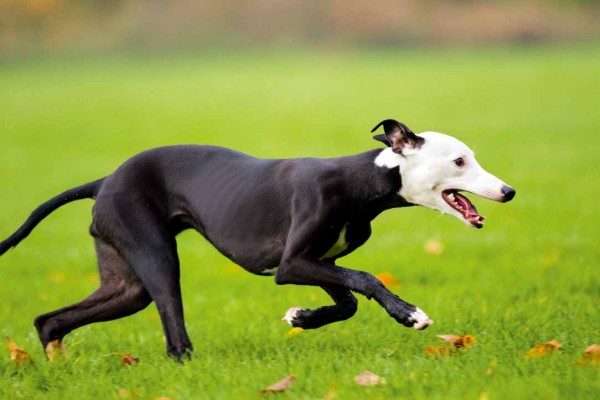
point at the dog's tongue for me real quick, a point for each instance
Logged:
(466, 205)
(469, 210)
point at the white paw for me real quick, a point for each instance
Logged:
(421, 319)
(291, 314)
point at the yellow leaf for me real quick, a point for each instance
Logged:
(127, 393)
(591, 355)
(294, 331)
(368, 378)
(456, 341)
(388, 280)
(280, 386)
(434, 247)
(543, 349)
(17, 354)
(464, 341)
(437, 351)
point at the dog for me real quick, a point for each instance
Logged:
(291, 218)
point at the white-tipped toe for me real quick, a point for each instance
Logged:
(421, 319)
(291, 314)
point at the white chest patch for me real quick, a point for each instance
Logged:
(270, 271)
(339, 246)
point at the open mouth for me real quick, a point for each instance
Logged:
(461, 204)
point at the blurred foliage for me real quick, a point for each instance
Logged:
(67, 25)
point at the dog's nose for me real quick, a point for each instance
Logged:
(508, 193)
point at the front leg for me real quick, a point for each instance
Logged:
(306, 271)
(345, 307)
(311, 228)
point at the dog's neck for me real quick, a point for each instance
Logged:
(377, 181)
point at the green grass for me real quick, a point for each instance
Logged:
(531, 275)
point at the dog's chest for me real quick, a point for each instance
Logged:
(339, 246)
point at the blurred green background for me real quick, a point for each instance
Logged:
(84, 85)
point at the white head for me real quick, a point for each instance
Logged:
(434, 168)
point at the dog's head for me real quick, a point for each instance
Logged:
(435, 168)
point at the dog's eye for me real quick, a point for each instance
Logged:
(459, 162)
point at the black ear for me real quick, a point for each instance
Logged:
(381, 137)
(397, 135)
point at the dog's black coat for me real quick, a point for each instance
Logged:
(262, 214)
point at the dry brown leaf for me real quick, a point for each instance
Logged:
(56, 350)
(128, 359)
(591, 355)
(456, 341)
(280, 386)
(388, 280)
(368, 378)
(434, 247)
(17, 354)
(464, 341)
(437, 351)
(544, 349)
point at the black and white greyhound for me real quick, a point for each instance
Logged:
(291, 218)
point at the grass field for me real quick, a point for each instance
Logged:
(531, 275)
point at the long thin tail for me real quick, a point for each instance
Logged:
(87, 191)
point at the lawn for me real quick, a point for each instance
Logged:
(530, 276)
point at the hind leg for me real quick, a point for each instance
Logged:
(138, 229)
(158, 269)
(121, 293)
(344, 308)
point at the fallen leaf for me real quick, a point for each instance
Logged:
(368, 378)
(591, 355)
(127, 393)
(128, 359)
(544, 349)
(17, 354)
(437, 351)
(294, 331)
(280, 386)
(56, 350)
(456, 341)
(434, 247)
(388, 280)
(162, 398)
(464, 341)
